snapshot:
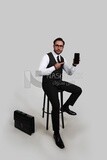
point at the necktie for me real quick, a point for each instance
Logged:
(58, 59)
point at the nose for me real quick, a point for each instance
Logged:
(59, 47)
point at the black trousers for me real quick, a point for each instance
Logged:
(51, 89)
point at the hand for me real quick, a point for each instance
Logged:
(74, 64)
(58, 65)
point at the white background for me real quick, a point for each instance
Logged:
(27, 31)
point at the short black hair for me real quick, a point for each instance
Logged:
(59, 39)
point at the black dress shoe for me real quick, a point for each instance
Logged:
(58, 141)
(67, 110)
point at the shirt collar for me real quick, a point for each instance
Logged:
(55, 55)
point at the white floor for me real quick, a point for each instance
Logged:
(84, 135)
(16, 144)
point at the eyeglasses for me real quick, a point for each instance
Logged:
(61, 46)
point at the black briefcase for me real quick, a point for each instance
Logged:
(24, 122)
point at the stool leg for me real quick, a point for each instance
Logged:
(62, 117)
(47, 121)
(43, 109)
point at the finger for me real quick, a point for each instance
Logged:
(62, 63)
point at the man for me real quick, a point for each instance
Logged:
(51, 68)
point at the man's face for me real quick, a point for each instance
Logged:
(58, 47)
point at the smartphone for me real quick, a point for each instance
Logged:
(76, 58)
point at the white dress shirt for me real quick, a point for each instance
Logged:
(43, 70)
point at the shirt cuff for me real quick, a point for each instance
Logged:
(52, 68)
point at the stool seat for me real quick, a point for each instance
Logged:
(46, 110)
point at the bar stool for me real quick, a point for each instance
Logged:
(47, 110)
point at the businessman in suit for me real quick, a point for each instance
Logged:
(51, 69)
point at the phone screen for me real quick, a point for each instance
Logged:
(76, 58)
